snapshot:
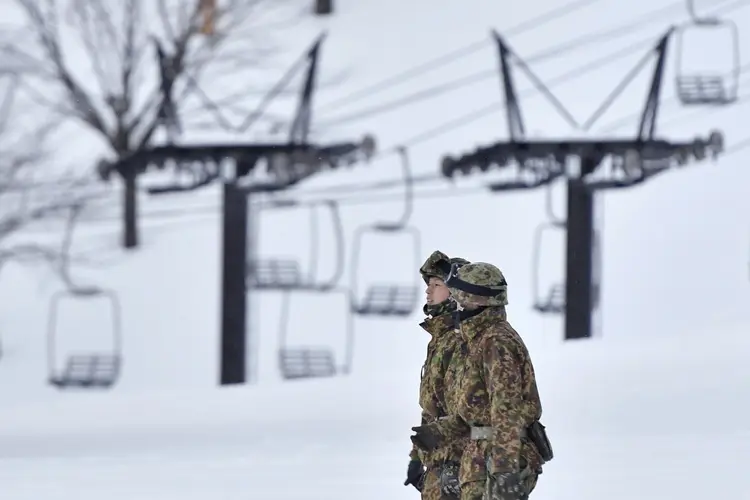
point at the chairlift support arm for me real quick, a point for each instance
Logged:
(298, 134)
(300, 128)
(167, 114)
(516, 127)
(582, 163)
(655, 156)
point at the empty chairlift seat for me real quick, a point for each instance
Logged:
(388, 300)
(395, 299)
(276, 274)
(554, 302)
(304, 362)
(96, 369)
(708, 85)
(88, 371)
(704, 89)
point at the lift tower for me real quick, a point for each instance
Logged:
(240, 167)
(589, 166)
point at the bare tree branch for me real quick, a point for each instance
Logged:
(94, 62)
(24, 204)
(119, 100)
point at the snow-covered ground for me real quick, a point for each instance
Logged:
(656, 408)
(659, 420)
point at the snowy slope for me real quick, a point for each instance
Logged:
(626, 421)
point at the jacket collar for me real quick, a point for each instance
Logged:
(473, 323)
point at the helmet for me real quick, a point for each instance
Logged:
(478, 285)
(438, 265)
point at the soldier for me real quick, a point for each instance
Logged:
(435, 473)
(500, 407)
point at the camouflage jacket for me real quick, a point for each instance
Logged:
(438, 395)
(498, 389)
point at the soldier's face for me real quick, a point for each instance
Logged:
(436, 291)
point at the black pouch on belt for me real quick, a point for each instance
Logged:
(538, 435)
(450, 488)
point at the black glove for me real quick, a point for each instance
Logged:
(415, 475)
(427, 438)
(506, 486)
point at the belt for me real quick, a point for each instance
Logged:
(484, 433)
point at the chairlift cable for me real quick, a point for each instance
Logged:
(359, 187)
(455, 55)
(485, 110)
(552, 52)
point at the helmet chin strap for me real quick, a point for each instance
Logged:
(459, 307)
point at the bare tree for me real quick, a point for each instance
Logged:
(24, 201)
(95, 62)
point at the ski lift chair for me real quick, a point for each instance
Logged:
(285, 274)
(313, 362)
(712, 89)
(389, 299)
(554, 301)
(85, 370)
(306, 362)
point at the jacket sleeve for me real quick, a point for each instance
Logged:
(503, 379)
(452, 427)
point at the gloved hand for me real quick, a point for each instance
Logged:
(415, 474)
(427, 437)
(506, 486)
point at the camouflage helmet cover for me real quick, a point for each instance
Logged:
(484, 275)
(437, 265)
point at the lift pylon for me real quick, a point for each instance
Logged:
(239, 166)
(589, 166)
